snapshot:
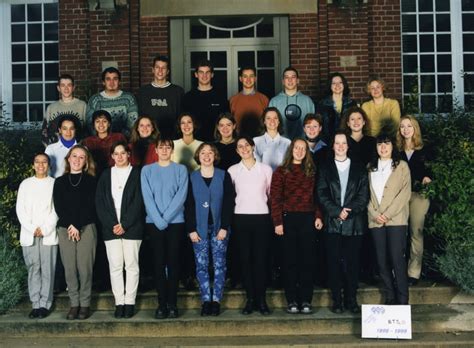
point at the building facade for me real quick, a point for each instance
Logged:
(423, 47)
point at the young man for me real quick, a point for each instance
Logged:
(161, 99)
(66, 104)
(205, 102)
(249, 102)
(292, 104)
(121, 105)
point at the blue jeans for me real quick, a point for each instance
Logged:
(218, 249)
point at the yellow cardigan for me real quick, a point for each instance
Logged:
(388, 112)
(396, 195)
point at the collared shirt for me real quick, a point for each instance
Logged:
(252, 187)
(270, 150)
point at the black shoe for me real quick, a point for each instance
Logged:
(43, 313)
(34, 313)
(161, 313)
(353, 308)
(337, 308)
(292, 308)
(215, 308)
(129, 311)
(306, 308)
(206, 309)
(248, 309)
(390, 301)
(263, 308)
(412, 281)
(119, 310)
(173, 312)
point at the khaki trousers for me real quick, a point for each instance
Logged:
(418, 208)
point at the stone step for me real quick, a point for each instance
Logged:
(425, 319)
(425, 340)
(424, 293)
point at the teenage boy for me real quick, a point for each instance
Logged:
(121, 105)
(292, 104)
(161, 99)
(66, 105)
(205, 102)
(249, 102)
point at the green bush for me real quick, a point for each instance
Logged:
(451, 220)
(13, 275)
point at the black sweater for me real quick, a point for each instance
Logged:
(228, 154)
(362, 151)
(417, 167)
(73, 196)
(132, 209)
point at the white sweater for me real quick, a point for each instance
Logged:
(34, 208)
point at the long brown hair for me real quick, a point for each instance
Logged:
(135, 136)
(89, 168)
(309, 168)
(417, 140)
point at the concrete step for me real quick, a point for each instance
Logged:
(425, 292)
(428, 340)
(425, 319)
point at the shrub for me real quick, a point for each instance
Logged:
(451, 221)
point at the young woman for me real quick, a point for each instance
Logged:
(412, 151)
(164, 188)
(335, 103)
(38, 237)
(361, 145)
(383, 113)
(312, 127)
(390, 192)
(74, 196)
(99, 144)
(343, 193)
(209, 209)
(295, 217)
(252, 222)
(270, 148)
(119, 207)
(185, 147)
(225, 136)
(142, 142)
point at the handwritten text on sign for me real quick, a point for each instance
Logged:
(380, 321)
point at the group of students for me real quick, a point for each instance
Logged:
(239, 189)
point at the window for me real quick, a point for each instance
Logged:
(438, 51)
(31, 47)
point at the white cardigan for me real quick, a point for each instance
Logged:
(34, 208)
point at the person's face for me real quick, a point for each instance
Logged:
(271, 121)
(225, 128)
(67, 130)
(248, 79)
(244, 149)
(290, 81)
(101, 125)
(121, 156)
(41, 166)
(164, 151)
(312, 129)
(337, 86)
(65, 88)
(299, 151)
(111, 82)
(160, 71)
(340, 146)
(376, 89)
(186, 125)
(206, 156)
(356, 122)
(406, 129)
(77, 160)
(145, 128)
(384, 150)
(204, 75)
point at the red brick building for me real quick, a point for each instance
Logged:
(390, 38)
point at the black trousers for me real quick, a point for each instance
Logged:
(253, 233)
(166, 252)
(298, 259)
(343, 255)
(390, 247)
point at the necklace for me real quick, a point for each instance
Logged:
(78, 182)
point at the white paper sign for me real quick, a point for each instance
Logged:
(380, 321)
